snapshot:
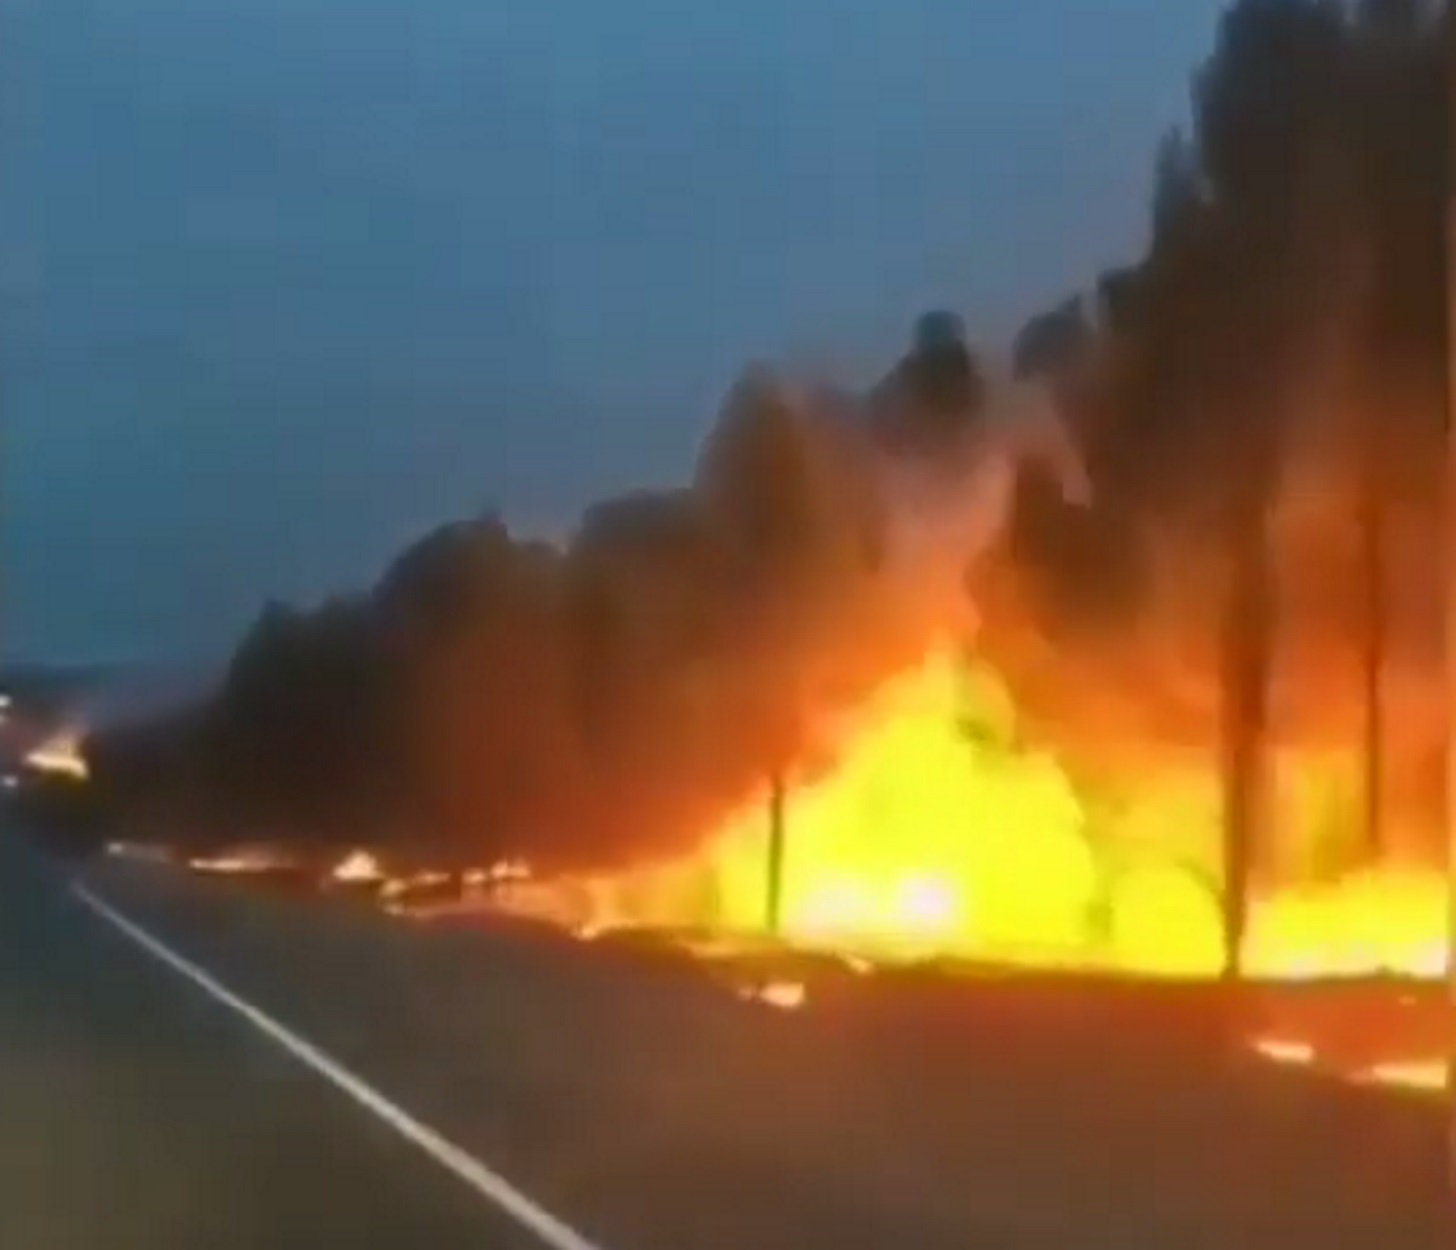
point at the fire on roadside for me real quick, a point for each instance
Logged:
(1075, 824)
(784, 995)
(243, 861)
(1427, 1075)
(936, 833)
(426, 879)
(1293, 1051)
(427, 890)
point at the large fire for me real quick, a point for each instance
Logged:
(938, 832)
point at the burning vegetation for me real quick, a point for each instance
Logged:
(1222, 681)
(935, 831)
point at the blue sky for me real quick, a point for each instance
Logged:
(285, 283)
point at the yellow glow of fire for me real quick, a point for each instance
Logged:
(239, 862)
(784, 995)
(1286, 1050)
(1425, 1075)
(1421, 1075)
(935, 833)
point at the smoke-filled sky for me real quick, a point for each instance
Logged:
(286, 283)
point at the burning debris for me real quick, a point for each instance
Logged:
(783, 995)
(1428, 1075)
(246, 861)
(1424, 1075)
(1286, 1050)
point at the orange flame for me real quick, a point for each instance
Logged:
(936, 833)
(1428, 1075)
(1423, 1075)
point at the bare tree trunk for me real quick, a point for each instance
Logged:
(1376, 623)
(1448, 557)
(774, 893)
(1248, 663)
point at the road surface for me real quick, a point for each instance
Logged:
(138, 1114)
(147, 1105)
(176, 1059)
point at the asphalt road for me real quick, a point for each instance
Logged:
(647, 1109)
(137, 1113)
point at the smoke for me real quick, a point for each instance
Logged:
(1294, 295)
(610, 698)
(613, 698)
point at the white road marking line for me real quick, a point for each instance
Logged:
(551, 1231)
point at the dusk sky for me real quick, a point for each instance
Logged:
(287, 282)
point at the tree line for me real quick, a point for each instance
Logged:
(1279, 344)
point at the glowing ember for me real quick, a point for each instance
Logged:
(1426, 1075)
(937, 832)
(1421, 1075)
(241, 862)
(784, 995)
(1285, 1050)
(501, 871)
(430, 879)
